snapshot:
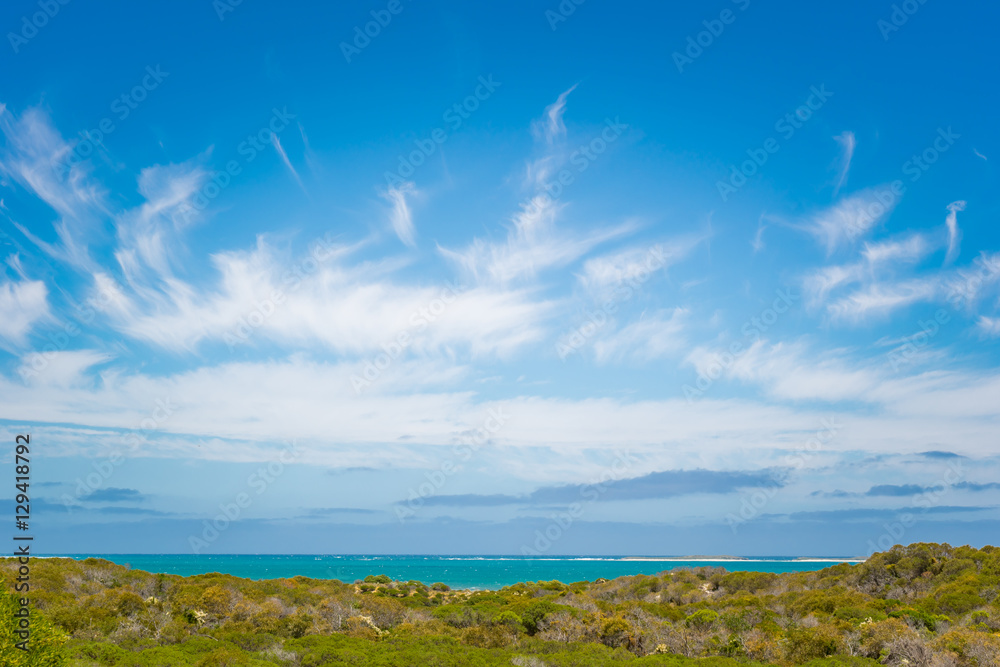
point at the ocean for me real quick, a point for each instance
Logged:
(476, 572)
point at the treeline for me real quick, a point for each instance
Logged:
(928, 605)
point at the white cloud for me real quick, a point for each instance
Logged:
(758, 240)
(551, 126)
(880, 299)
(954, 233)
(652, 336)
(989, 326)
(348, 308)
(22, 305)
(41, 161)
(238, 411)
(789, 371)
(847, 143)
(819, 284)
(851, 217)
(288, 163)
(910, 249)
(631, 265)
(149, 233)
(548, 131)
(63, 368)
(533, 245)
(401, 217)
(964, 287)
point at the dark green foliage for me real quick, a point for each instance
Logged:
(535, 614)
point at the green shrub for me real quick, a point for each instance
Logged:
(46, 645)
(535, 614)
(702, 619)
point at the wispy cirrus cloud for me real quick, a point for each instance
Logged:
(349, 307)
(847, 142)
(534, 244)
(850, 218)
(954, 233)
(36, 157)
(149, 235)
(401, 217)
(288, 163)
(653, 336)
(910, 249)
(820, 283)
(878, 300)
(550, 127)
(549, 133)
(634, 264)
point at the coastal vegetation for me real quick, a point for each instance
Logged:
(929, 605)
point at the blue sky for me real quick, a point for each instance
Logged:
(532, 278)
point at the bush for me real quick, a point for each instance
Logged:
(509, 619)
(46, 646)
(535, 615)
(877, 636)
(916, 618)
(702, 619)
(616, 632)
(217, 600)
(751, 582)
(811, 643)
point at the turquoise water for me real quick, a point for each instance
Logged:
(480, 572)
